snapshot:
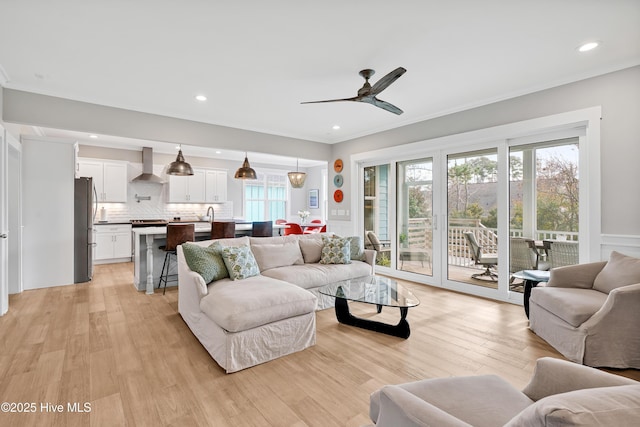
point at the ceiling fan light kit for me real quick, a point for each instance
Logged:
(180, 167)
(245, 171)
(367, 93)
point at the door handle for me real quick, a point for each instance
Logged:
(4, 236)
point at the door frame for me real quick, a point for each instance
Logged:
(4, 222)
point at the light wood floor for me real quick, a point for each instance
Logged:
(132, 358)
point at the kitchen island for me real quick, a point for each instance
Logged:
(148, 257)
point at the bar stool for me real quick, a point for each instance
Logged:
(262, 229)
(223, 230)
(177, 234)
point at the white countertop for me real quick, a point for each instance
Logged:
(199, 228)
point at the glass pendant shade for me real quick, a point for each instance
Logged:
(245, 171)
(179, 167)
(297, 178)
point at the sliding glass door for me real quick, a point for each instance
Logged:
(456, 211)
(472, 218)
(544, 206)
(376, 214)
(414, 213)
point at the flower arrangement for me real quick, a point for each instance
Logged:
(303, 216)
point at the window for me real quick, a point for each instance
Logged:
(266, 197)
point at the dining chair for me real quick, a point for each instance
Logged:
(281, 221)
(262, 229)
(310, 229)
(293, 228)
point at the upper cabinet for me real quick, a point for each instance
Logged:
(216, 186)
(204, 186)
(187, 189)
(109, 178)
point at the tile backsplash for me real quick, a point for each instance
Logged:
(157, 207)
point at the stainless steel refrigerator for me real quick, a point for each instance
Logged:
(85, 208)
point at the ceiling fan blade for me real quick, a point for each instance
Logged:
(332, 100)
(384, 82)
(385, 105)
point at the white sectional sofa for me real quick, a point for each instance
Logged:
(252, 320)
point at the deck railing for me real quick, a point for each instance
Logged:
(419, 233)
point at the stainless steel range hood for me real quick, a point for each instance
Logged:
(147, 168)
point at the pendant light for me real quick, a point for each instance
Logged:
(297, 178)
(245, 171)
(179, 167)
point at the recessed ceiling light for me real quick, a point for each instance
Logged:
(588, 46)
(93, 136)
(201, 98)
(336, 127)
(218, 152)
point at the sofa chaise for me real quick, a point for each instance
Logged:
(268, 312)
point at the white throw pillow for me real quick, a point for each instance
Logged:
(277, 255)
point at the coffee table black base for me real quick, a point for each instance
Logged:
(528, 285)
(345, 317)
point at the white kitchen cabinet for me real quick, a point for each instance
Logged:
(113, 242)
(188, 189)
(109, 179)
(216, 186)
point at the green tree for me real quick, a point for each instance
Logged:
(558, 195)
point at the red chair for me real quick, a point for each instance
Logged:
(313, 228)
(281, 221)
(293, 228)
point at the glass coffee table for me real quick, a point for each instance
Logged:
(375, 290)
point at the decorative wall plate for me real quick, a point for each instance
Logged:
(338, 165)
(338, 196)
(338, 180)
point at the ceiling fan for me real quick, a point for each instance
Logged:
(367, 93)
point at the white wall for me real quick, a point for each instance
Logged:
(48, 188)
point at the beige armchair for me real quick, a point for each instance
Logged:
(591, 312)
(559, 393)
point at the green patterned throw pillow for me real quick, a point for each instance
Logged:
(357, 248)
(240, 262)
(206, 261)
(336, 250)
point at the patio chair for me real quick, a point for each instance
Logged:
(380, 248)
(486, 260)
(561, 253)
(524, 256)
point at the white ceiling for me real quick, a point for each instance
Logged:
(257, 60)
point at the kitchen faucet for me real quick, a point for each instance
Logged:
(210, 209)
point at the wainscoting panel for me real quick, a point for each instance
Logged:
(628, 245)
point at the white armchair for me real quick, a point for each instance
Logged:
(559, 393)
(591, 312)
